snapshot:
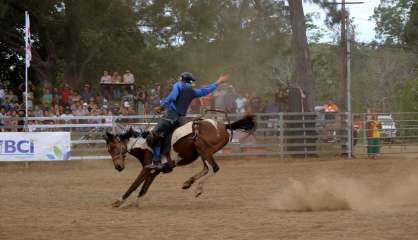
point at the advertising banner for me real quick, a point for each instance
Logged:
(34, 146)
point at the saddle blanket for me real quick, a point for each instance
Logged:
(178, 134)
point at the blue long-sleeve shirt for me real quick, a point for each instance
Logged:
(182, 95)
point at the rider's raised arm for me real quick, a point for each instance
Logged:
(172, 96)
(203, 91)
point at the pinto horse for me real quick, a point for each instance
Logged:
(208, 137)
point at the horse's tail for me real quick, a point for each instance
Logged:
(246, 124)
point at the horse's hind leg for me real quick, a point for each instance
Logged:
(187, 184)
(215, 168)
(211, 161)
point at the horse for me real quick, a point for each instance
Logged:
(207, 137)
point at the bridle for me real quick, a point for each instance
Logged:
(122, 150)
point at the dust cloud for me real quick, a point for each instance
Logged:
(341, 193)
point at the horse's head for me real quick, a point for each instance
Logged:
(117, 146)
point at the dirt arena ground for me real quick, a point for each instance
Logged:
(247, 199)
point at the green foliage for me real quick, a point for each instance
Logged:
(411, 28)
(407, 97)
(391, 16)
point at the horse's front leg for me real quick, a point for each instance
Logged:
(132, 188)
(187, 184)
(149, 178)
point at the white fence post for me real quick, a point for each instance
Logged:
(281, 140)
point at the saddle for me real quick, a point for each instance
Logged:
(167, 142)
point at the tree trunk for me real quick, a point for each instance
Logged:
(300, 101)
(303, 74)
(72, 42)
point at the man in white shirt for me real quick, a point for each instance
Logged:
(128, 77)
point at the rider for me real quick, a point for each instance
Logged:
(176, 105)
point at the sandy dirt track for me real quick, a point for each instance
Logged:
(248, 199)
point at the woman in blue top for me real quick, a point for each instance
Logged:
(176, 105)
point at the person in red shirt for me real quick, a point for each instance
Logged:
(66, 94)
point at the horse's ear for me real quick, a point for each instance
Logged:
(108, 137)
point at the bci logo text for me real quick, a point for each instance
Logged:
(17, 147)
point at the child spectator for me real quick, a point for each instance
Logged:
(373, 136)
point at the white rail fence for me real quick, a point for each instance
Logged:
(278, 134)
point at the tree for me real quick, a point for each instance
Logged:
(303, 74)
(411, 28)
(391, 17)
(68, 34)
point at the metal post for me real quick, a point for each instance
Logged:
(281, 126)
(26, 99)
(349, 110)
(344, 60)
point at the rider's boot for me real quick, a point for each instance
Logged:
(156, 158)
(169, 165)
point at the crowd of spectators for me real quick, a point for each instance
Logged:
(121, 97)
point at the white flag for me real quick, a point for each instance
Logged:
(28, 52)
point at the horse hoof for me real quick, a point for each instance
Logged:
(187, 185)
(117, 203)
(198, 194)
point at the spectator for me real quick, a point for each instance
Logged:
(2, 116)
(158, 90)
(141, 100)
(75, 97)
(30, 98)
(126, 109)
(255, 103)
(47, 96)
(106, 78)
(10, 97)
(94, 113)
(55, 96)
(87, 93)
(229, 98)
(116, 78)
(67, 113)
(206, 101)
(219, 98)
(2, 94)
(65, 94)
(49, 114)
(241, 104)
(373, 136)
(92, 104)
(128, 97)
(37, 111)
(109, 117)
(128, 78)
(195, 106)
(154, 100)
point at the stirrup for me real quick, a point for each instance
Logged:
(155, 166)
